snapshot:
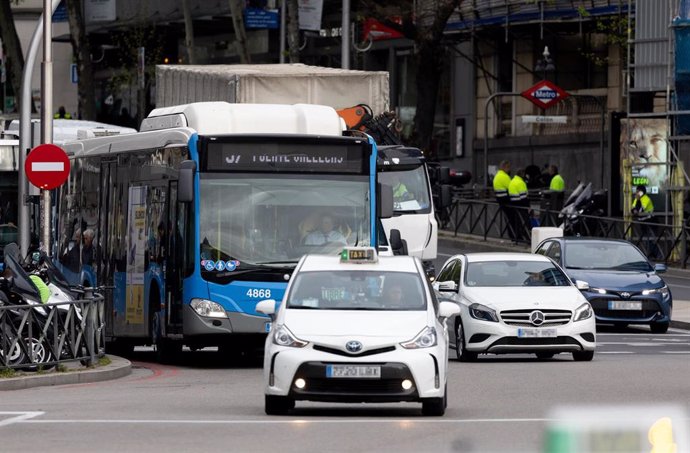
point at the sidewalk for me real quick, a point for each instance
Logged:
(681, 308)
(74, 374)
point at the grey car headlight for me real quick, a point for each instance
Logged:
(583, 312)
(663, 291)
(207, 308)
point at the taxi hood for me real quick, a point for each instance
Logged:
(307, 324)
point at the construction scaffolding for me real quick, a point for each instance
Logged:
(657, 128)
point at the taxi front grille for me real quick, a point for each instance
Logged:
(340, 352)
(521, 318)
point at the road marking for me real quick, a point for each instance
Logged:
(652, 345)
(19, 417)
(615, 352)
(293, 422)
(47, 166)
(675, 352)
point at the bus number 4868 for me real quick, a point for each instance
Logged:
(259, 293)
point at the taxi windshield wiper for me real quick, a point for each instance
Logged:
(268, 263)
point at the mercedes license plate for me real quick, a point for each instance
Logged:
(537, 333)
(624, 305)
(353, 371)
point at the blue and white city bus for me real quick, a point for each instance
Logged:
(206, 212)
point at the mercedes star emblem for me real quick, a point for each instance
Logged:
(536, 318)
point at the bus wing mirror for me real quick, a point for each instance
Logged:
(185, 185)
(385, 201)
(444, 175)
(446, 196)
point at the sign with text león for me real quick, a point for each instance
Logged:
(545, 94)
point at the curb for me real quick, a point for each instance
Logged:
(118, 368)
(684, 325)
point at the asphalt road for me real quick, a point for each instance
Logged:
(501, 404)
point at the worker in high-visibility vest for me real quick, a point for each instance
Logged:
(643, 211)
(557, 183)
(517, 191)
(501, 183)
(62, 114)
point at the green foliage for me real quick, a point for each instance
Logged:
(6, 373)
(129, 42)
(105, 360)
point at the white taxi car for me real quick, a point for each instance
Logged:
(516, 303)
(357, 328)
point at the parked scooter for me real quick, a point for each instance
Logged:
(34, 329)
(580, 206)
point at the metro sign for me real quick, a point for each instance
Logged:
(544, 94)
(47, 166)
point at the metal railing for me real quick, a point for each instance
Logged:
(37, 337)
(660, 242)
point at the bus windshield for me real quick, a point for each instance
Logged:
(410, 190)
(257, 219)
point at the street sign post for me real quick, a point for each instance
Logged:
(47, 166)
(544, 94)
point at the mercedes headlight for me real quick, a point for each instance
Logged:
(663, 291)
(597, 290)
(207, 308)
(583, 312)
(483, 313)
(425, 339)
(283, 337)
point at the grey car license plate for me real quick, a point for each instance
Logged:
(353, 371)
(537, 333)
(624, 305)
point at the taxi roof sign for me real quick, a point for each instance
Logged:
(358, 255)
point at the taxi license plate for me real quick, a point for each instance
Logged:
(537, 333)
(353, 371)
(622, 305)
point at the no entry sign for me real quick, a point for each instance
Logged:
(545, 94)
(47, 166)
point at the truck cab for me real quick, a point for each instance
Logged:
(405, 170)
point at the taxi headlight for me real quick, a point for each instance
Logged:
(663, 291)
(283, 337)
(427, 338)
(482, 312)
(207, 308)
(583, 312)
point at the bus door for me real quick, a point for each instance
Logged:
(174, 272)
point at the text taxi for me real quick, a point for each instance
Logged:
(356, 328)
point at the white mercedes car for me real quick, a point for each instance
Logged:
(357, 328)
(516, 303)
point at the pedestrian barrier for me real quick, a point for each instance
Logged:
(35, 337)
(660, 242)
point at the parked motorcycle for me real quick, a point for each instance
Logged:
(577, 215)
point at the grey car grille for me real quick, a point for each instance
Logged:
(520, 318)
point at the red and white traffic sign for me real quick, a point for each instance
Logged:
(47, 166)
(544, 94)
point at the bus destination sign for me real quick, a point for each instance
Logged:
(285, 157)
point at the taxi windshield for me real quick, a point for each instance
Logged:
(357, 290)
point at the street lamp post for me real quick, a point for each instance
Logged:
(545, 64)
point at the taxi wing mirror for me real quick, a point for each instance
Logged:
(267, 307)
(448, 286)
(582, 286)
(448, 309)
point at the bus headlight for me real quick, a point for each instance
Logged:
(207, 308)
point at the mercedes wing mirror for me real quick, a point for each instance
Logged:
(448, 286)
(185, 184)
(384, 206)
